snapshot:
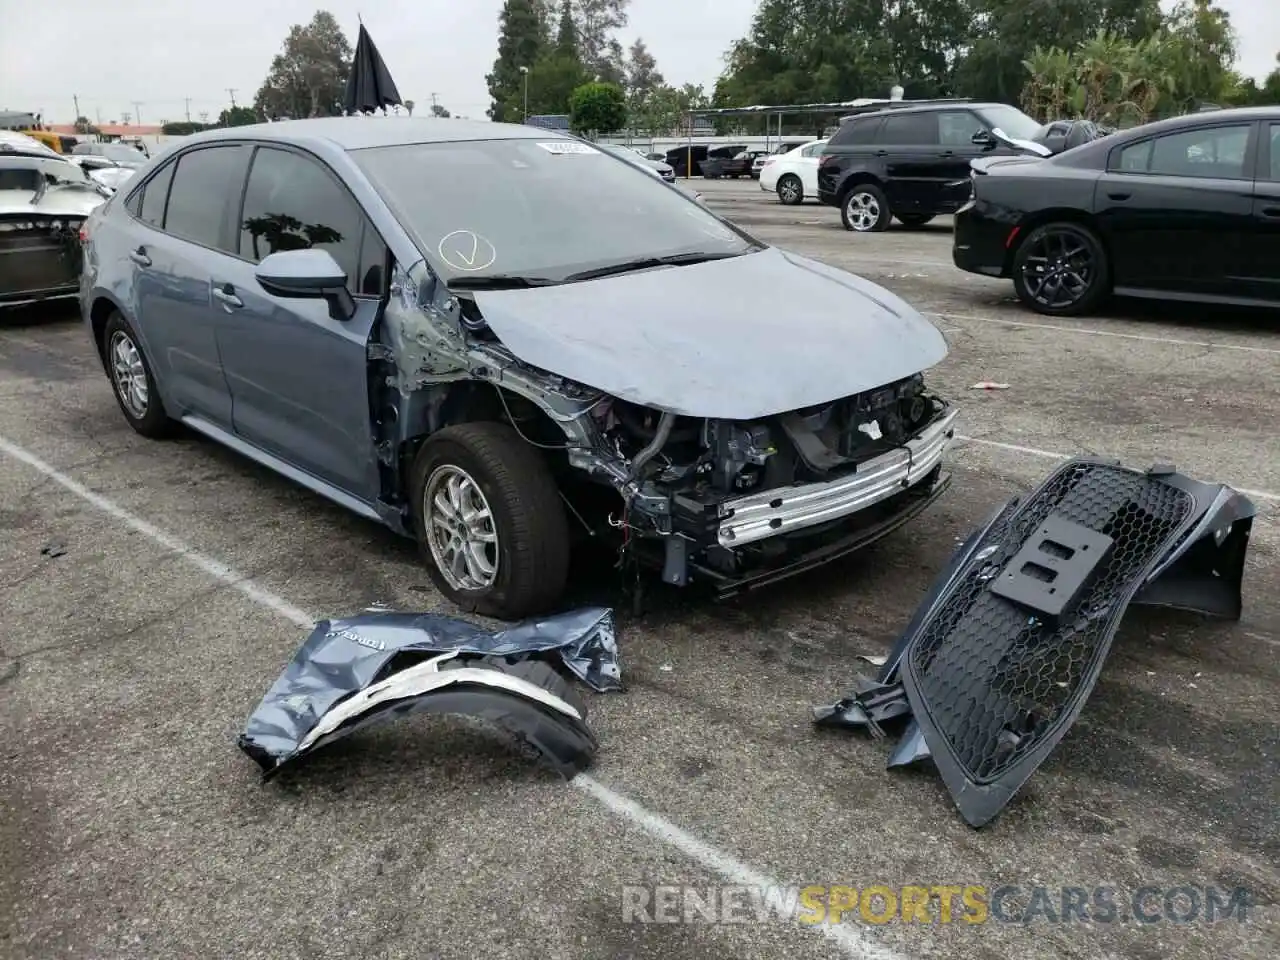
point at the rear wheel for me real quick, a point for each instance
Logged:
(865, 209)
(913, 221)
(1061, 270)
(132, 380)
(790, 190)
(489, 519)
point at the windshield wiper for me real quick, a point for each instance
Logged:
(645, 263)
(500, 281)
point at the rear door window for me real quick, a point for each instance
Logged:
(910, 130)
(205, 186)
(1214, 152)
(1274, 140)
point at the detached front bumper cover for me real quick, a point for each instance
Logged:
(369, 668)
(998, 661)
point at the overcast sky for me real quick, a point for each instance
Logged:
(113, 52)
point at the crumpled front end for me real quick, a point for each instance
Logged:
(1001, 657)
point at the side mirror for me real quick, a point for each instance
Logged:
(308, 275)
(984, 139)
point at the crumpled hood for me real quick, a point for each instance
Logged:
(738, 339)
(69, 201)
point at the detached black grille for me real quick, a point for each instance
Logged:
(39, 254)
(995, 676)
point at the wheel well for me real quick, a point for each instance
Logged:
(102, 309)
(475, 401)
(856, 179)
(1055, 215)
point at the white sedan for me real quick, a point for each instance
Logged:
(793, 176)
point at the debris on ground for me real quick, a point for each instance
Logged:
(989, 385)
(999, 659)
(53, 550)
(383, 664)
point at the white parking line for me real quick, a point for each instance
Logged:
(1037, 452)
(1273, 351)
(850, 939)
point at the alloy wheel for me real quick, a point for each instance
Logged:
(129, 374)
(1058, 269)
(862, 211)
(460, 528)
(789, 190)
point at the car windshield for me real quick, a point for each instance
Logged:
(122, 154)
(1011, 121)
(541, 209)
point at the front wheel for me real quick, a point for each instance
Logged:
(1061, 270)
(490, 522)
(865, 209)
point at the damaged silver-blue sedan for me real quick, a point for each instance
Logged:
(499, 339)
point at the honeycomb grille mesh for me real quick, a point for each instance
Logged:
(993, 677)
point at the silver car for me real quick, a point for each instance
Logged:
(568, 352)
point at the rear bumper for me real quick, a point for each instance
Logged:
(772, 513)
(981, 245)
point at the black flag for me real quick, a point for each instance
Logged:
(370, 86)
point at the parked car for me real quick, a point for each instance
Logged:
(498, 372)
(106, 172)
(696, 154)
(1182, 209)
(912, 163)
(783, 148)
(735, 167)
(793, 176)
(120, 153)
(43, 202)
(662, 170)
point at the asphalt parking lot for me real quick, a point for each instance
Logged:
(187, 577)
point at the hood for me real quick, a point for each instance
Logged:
(738, 339)
(69, 201)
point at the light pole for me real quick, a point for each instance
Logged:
(525, 72)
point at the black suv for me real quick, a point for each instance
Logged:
(912, 162)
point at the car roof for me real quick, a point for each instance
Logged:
(1204, 118)
(932, 106)
(362, 133)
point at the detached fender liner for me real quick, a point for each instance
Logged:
(1001, 657)
(378, 666)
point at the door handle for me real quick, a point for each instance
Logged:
(882, 153)
(140, 257)
(228, 297)
(1119, 196)
(1271, 211)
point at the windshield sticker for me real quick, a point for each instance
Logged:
(564, 147)
(466, 251)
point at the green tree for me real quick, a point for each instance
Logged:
(182, 128)
(599, 108)
(237, 117)
(308, 77)
(599, 50)
(439, 111)
(521, 40)
(84, 127)
(1201, 53)
(660, 113)
(409, 105)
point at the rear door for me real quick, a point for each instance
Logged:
(299, 379)
(180, 235)
(1261, 254)
(1176, 209)
(908, 146)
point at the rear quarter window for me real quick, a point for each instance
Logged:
(856, 132)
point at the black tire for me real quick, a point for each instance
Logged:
(865, 209)
(146, 415)
(913, 221)
(789, 185)
(1069, 253)
(531, 532)
(538, 672)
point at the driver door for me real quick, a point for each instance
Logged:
(299, 379)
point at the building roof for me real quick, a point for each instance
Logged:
(359, 133)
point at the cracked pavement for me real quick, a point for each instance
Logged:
(133, 827)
